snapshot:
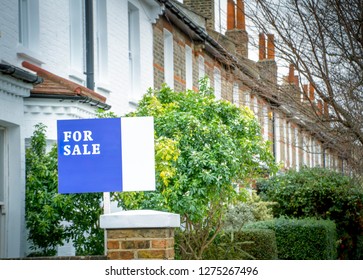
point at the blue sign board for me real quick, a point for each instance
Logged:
(89, 155)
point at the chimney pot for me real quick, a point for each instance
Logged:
(291, 78)
(305, 92)
(262, 47)
(241, 18)
(270, 46)
(320, 107)
(231, 16)
(311, 93)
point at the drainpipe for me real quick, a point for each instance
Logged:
(89, 45)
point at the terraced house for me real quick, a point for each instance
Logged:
(64, 59)
(205, 37)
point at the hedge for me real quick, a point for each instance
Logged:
(323, 194)
(245, 244)
(304, 239)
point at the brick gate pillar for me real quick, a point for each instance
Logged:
(140, 234)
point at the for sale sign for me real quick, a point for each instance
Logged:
(106, 155)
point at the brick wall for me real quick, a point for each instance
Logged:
(204, 8)
(148, 243)
(180, 40)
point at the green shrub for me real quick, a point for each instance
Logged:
(259, 244)
(320, 193)
(253, 209)
(46, 209)
(305, 239)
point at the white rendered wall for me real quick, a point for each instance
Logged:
(19, 116)
(12, 119)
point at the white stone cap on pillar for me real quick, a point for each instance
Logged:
(139, 219)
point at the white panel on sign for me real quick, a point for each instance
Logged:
(138, 156)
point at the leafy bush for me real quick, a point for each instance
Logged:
(321, 193)
(203, 147)
(254, 209)
(305, 239)
(259, 244)
(47, 210)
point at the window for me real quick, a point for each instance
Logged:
(29, 24)
(284, 130)
(248, 99)
(255, 105)
(220, 16)
(328, 159)
(134, 50)
(265, 122)
(286, 140)
(217, 84)
(290, 143)
(168, 59)
(102, 46)
(303, 149)
(236, 94)
(297, 150)
(318, 154)
(201, 67)
(76, 35)
(277, 140)
(188, 67)
(312, 153)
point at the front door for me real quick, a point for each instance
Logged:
(2, 192)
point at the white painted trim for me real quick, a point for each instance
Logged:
(139, 219)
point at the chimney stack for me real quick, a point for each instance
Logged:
(205, 8)
(241, 18)
(236, 27)
(296, 80)
(231, 17)
(261, 46)
(270, 46)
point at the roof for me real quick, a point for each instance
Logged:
(56, 86)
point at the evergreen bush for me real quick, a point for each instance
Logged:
(321, 193)
(249, 244)
(302, 239)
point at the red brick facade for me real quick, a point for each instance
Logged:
(228, 55)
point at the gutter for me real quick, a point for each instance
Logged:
(80, 99)
(20, 74)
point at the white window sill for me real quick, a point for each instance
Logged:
(77, 77)
(29, 55)
(103, 88)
